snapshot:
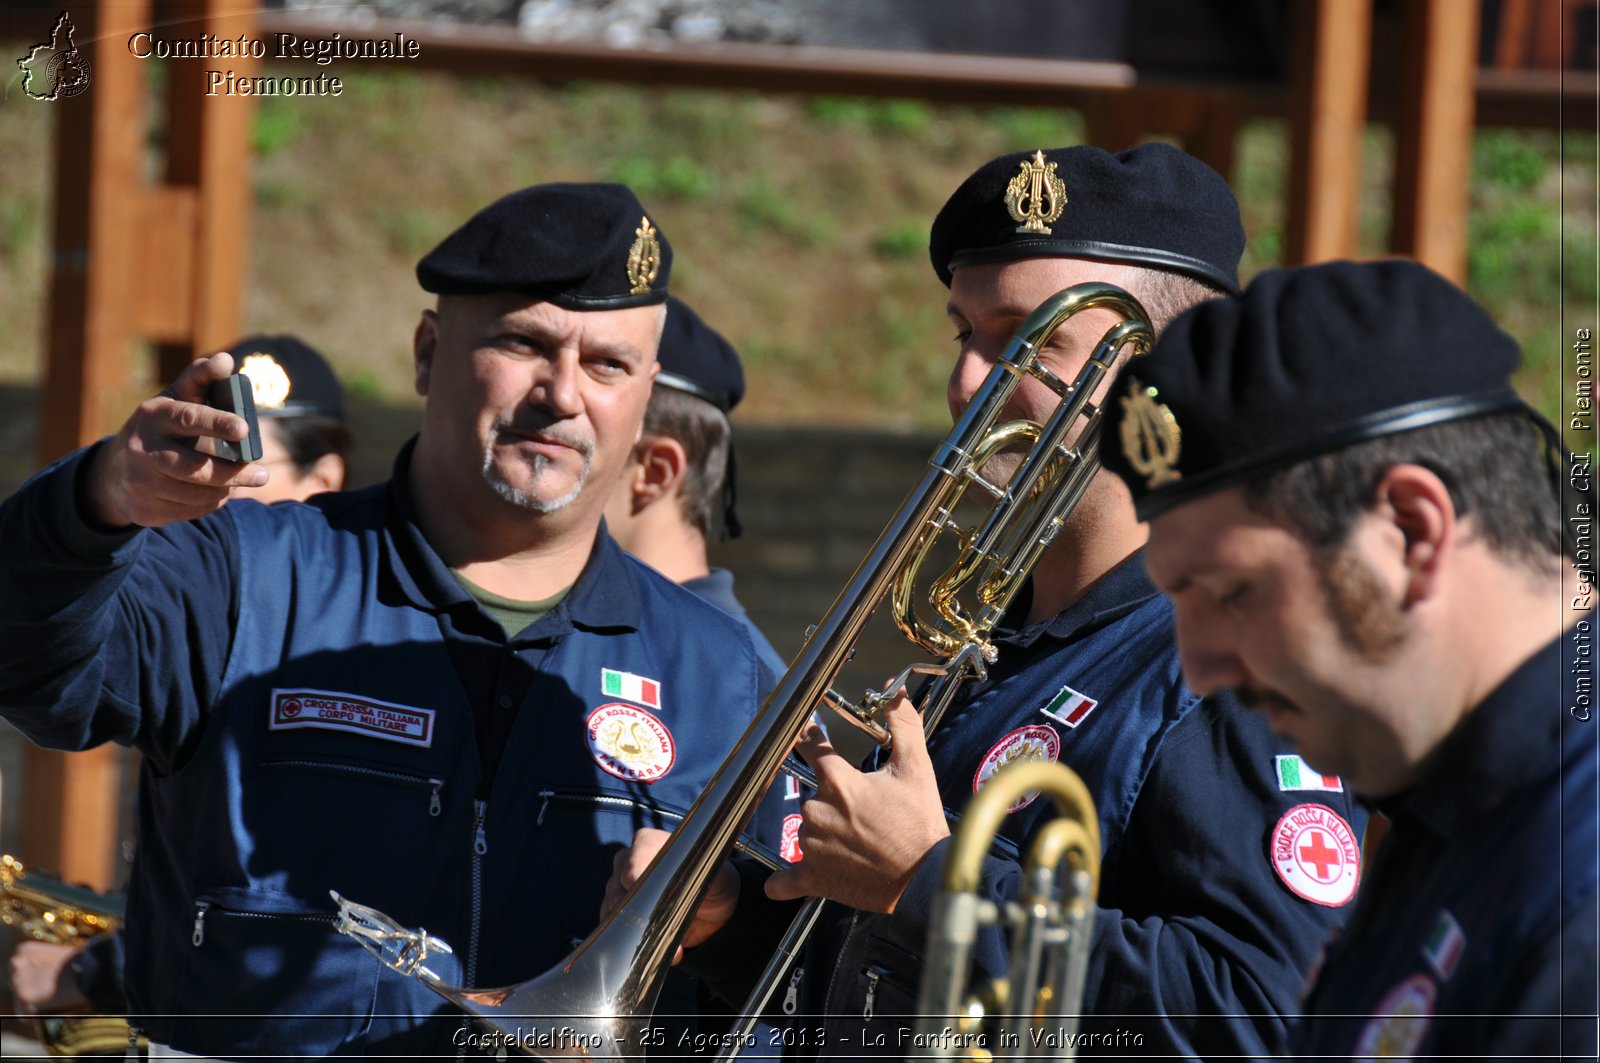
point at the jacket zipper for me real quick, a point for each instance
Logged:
(201, 908)
(791, 996)
(604, 800)
(740, 844)
(838, 960)
(872, 994)
(480, 847)
(435, 803)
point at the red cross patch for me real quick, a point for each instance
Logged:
(1316, 855)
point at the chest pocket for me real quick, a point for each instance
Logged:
(263, 971)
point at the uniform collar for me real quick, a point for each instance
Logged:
(1512, 738)
(716, 587)
(605, 596)
(1117, 593)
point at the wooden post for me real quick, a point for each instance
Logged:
(129, 262)
(1332, 49)
(208, 157)
(1433, 145)
(72, 800)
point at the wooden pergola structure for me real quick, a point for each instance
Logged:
(163, 260)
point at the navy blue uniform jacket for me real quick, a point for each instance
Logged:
(310, 689)
(716, 587)
(1475, 933)
(1201, 945)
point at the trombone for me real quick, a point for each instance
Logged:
(591, 1004)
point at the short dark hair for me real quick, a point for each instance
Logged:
(308, 438)
(1165, 294)
(707, 438)
(1496, 469)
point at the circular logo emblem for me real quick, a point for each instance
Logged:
(789, 848)
(1033, 742)
(68, 73)
(291, 707)
(630, 743)
(1315, 853)
(1400, 1021)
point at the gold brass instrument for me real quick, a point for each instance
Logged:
(46, 910)
(1038, 1000)
(592, 1004)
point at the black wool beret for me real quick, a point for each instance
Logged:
(1150, 206)
(1306, 361)
(580, 246)
(696, 359)
(288, 377)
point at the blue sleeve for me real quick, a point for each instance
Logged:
(1208, 952)
(730, 962)
(97, 968)
(110, 635)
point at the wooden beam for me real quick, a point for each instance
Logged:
(132, 261)
(75, 799)
(1331, 48)
(1433, 153)
(208, 154)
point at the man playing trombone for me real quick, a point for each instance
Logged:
(1226, 862)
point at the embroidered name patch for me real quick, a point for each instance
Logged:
(1033, 742)
(1315, 853)
(789, 847)
(332, 711)
(630, 743)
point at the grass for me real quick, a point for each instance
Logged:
(799, 223)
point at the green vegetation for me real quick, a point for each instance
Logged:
(799, 224)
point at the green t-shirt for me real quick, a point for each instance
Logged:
(512, 615)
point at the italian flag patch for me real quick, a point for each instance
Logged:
(1069, 707)
(1444, 946)
(1295, 774)
(615, 684)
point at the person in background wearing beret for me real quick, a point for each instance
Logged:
(305, 436)
(305, 439)
(1203, 934)
(678, 488)
(1361, 528)
(448, 696)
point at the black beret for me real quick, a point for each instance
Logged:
(580, 246)
(1151, 206)
(695, 358)
(1306, 361)
(288, 377)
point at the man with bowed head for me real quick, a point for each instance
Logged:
(1359, 524)
(448, 696)
(1202, 936)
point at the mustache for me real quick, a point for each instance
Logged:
(549, 433)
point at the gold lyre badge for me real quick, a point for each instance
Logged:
(1151, 439)
(269, 382)
(1036, 195)
(644, 258)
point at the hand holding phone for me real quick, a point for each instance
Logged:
(235, 395)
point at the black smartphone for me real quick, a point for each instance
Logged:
(235, 395)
